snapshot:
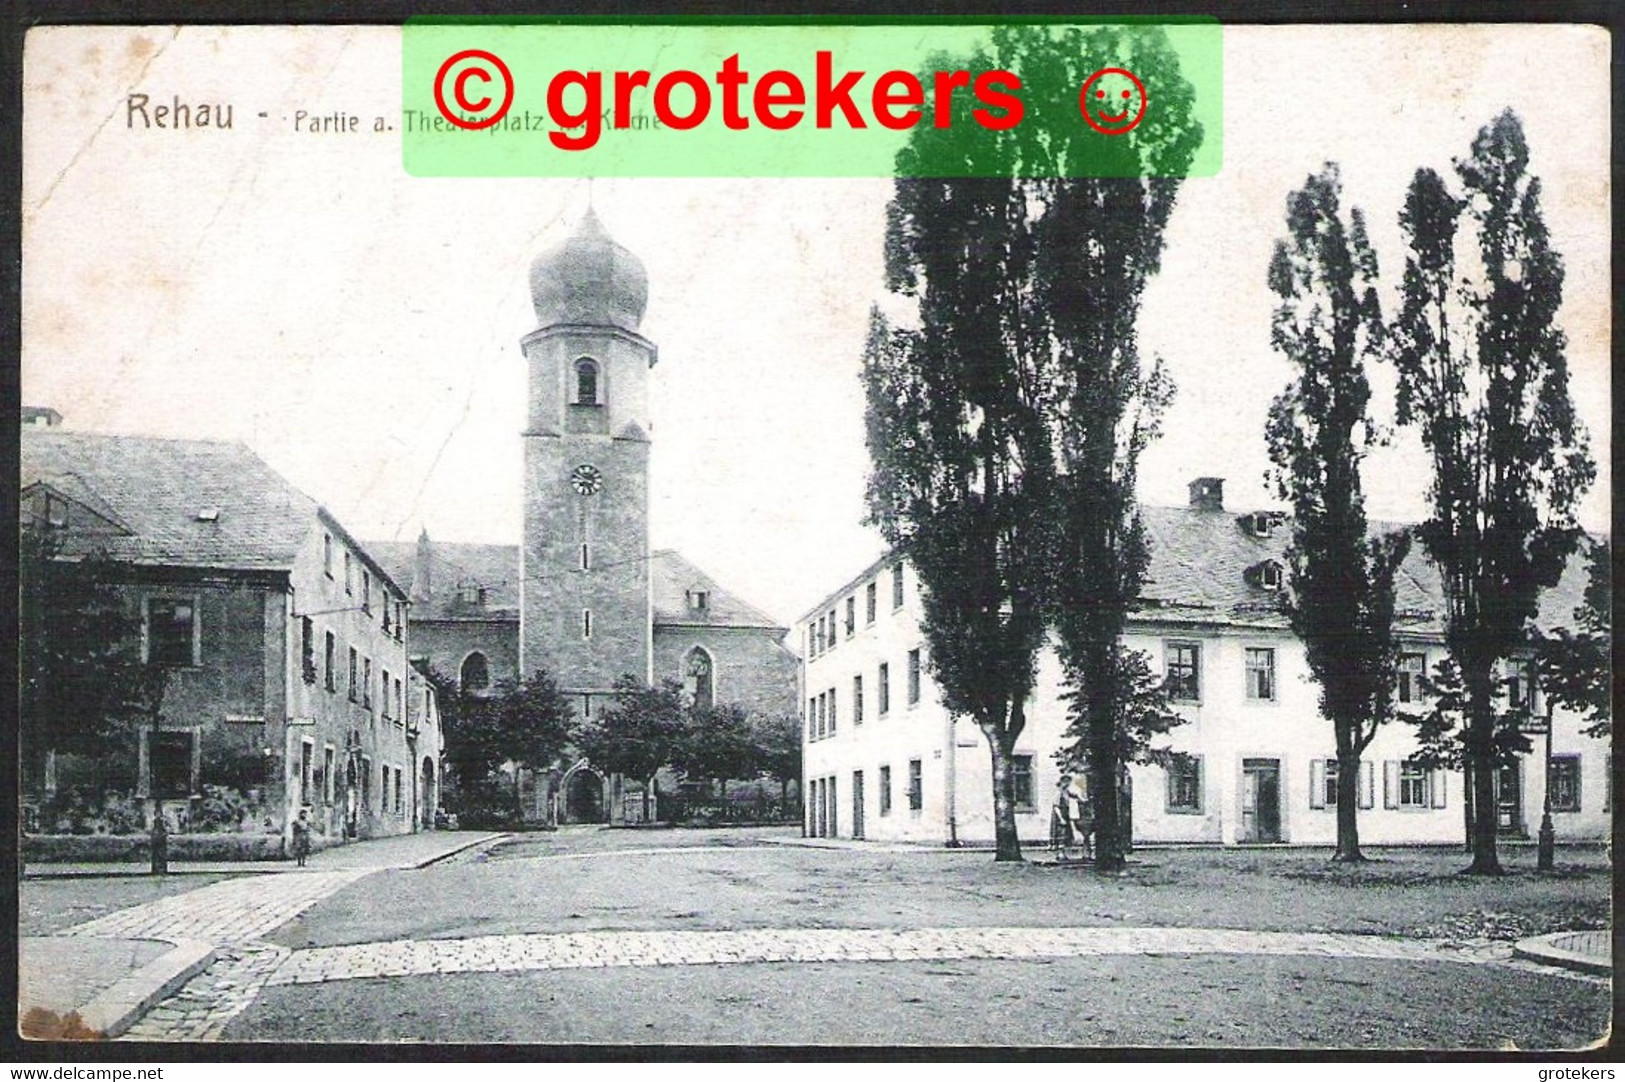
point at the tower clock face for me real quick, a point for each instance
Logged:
(586, 480)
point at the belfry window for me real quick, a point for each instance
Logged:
(586, 382)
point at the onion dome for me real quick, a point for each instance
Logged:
(589, 279)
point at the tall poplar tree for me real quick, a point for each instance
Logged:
(1329, 326)
(1022, 368)
(1484, 379)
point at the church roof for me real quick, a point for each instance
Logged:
(182, 503)
(589, 278)
(454, 565)
(675, 582)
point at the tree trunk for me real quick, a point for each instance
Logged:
(1104, 772)
(1481, 753)
(1001, 741)
(1348, 807)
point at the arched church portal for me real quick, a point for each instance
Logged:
(584, 796)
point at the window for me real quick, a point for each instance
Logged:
(328, 783)
(400, 620)
(1185, 785)
(869, 592)
(172, 631)
(383, 693)
(857, 700)
(1021, 780)
(830, 695)
(1413, 786)
(307, 649)
(1269, 575)
(1184, 671)
(471, 593)
(327, 554)
(400, 703)
(1412, 668)
(386, 607)
(56, 510)
(851, 616)
(897, 587)
(307, 752)
(586, 623)
(913, 676)
(400, 786)
(366, 682)
(885, 790)
(366, 591)
(812, 641)
(831, 626)
(349, 586)
(366, 783)
(697, 672)
(586, 382)
(1260, 673)
(916, 788)
(586, 704)
(812, 719)
(823, 716)
(699, 600)
(1521, 685)
(883, 688)
(329, 660)
(1564, 783)
(355, 667)
(1409, 786)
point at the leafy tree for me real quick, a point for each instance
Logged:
(1329, 326)
(527, 724)
(715, 744)
(777, 739)
(83, 682)
(637, 733)
(1483, 377)
(1142, 713)
(1576, 663)
(1025, 291)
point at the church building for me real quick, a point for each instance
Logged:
(582, 595)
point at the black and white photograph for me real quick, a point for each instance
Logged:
(911, 613)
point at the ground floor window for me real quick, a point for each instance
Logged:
(1185, 785)
(885, 790)
(1409, 786)
(1021, 776)
(1564, 783)
(916, 785)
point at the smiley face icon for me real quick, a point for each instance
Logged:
(1112, 101)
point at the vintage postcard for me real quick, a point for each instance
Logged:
(1064, 534)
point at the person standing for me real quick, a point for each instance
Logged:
(301, 836)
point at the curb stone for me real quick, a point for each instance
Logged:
(1569, 950)
(115, 1009)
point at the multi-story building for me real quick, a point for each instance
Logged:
(884, 760)
(283, 640)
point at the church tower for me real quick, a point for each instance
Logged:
(585, 609)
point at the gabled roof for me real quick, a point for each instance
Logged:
(672, 580)
(453, 564)
(1203, 573)
(155, 489)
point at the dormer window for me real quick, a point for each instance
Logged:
(1260, 523)
(56, 510)
(1268, 575)
(471, 593)
(699, 600)
(587, 382)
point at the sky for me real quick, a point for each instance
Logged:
(359, 328)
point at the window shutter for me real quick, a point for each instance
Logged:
(1368, 784)
(1436, 787)
(1317, 783)
(1390, 784)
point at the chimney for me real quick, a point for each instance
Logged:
(1207, 494)
(422, 583)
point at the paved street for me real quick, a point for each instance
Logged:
(735, 937)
